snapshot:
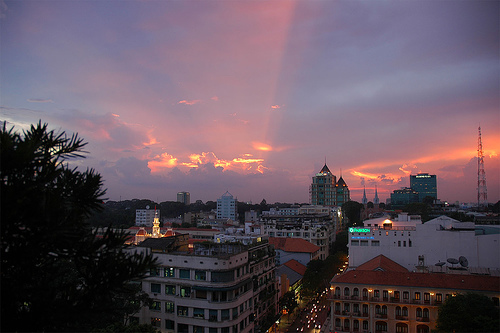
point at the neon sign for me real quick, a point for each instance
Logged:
(351, 230)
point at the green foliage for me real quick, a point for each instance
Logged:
(288, 301)
(320, 272)
(352, 210)
(56, 274)
(132, 328)
(468, 313)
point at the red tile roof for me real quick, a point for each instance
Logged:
(426, 280)
(383, 263)
(296, 266)
(293, 245)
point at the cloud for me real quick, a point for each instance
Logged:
(275, 107)
(39, 100)
(215, 98)
(261, 146)
(161, 162)
(191, 102)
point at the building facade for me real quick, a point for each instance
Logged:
(213, 288)
(184, 197)
(323, 188)
(145, 217)
(226, 207)
(382, 296)
(403, 197)
(425, 185)
(417, 245)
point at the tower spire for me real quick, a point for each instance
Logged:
(364, 201)
(376, 200)
(482, 196)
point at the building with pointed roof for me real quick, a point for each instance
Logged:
(326, 191)
(294, 248)
(226, 207)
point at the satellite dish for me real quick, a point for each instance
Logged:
(441, 263)
(463, 261)
(452, 261)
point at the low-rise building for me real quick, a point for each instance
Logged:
(442, 241)
(383, 296)
(294, 248)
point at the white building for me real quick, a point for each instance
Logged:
(226, 207)
(215, 288)
(426, 246)
(145, 217)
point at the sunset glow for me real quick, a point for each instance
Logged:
(252, 97)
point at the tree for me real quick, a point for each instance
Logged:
(352, 210)
(56, 274)
(288, 301)
(419, 208)
(468, 313)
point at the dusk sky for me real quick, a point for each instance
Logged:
(251, 97)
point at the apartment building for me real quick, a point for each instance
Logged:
(211, 288)
(383, 296)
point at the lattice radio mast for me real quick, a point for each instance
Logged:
(482, 196)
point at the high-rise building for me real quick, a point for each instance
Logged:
(145, 217)
(403, 197)
(425, 185)
(184, 197)
(326, 191)
(226, 207)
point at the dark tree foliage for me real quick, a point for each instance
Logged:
(419, 208)
(56, 274)
(468, 313)
(319, 273)
(352, 210)
(288, 301)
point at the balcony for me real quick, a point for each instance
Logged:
(402, 317)
(381, 315)
(423, 319)
(416, 301)
(395, 300)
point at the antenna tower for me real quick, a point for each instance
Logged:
(482, 196)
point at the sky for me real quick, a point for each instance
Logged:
(252, 97)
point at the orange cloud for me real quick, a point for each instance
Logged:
(275, 106)
(192, 102)
(215, 98)
(261, 146)
(161, 162)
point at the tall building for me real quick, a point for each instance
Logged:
(424, 184)
(219, 288)
(326, 191)
(226, 207)
(145, 217)
(403, 197)
(184, 197)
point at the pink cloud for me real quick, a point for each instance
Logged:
(191, 102)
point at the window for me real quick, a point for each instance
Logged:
(355, 325)
(346, 291)
(212, 315)
(365, 309)
(182, 328)
(346, 324)
(365, 293)
(381, 326)
(185, 291)
(417, 296)
(184, 273)
(363, 243)
(384, 309)
(376, 293)
(202, 294)
(156, 322)
(156, 288)
(337, 307)
(154, 271)
(169, 272)
(365, 324)
(212, 330)
(439, 298)
(419, 312)
(169, 289)
(354, 242)
(224, 330)
(406, 295)
(427, 297)
(198, 313)
(355, 292)
(385, 294)
(170, 324)
(347, 307)
(375, 243)
(198, 329)
(337, 291)
(425, 313)
(169, 307)
(155, 306)
(355, 308)
(235, 312)
(398, 311)
(224, 314)
(182, 311)
(399, 243)
(396, 294)
(405, 311)
(401, 328)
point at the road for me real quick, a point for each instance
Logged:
(311, 317)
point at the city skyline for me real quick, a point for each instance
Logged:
(253, 97)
